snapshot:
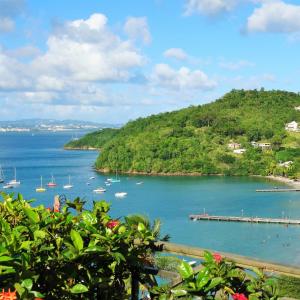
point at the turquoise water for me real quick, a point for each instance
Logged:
(171, 199)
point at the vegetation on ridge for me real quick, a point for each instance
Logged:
(195, 139)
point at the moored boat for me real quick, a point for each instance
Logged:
(40, 189)
(52, 183)
(14, 182)
(68, 186)
(120, 194)
(99, 190)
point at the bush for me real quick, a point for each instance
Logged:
(64, 255)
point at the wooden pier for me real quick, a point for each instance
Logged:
(274, 190)
(206, 217)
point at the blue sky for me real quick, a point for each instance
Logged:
(112, 61)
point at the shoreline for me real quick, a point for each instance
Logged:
(81, 148)
(284, 180)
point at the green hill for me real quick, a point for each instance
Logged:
(195, 139)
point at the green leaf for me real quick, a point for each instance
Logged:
(5, 258)
(201, 281)
(208, 257)
(76, 239)
(141, 227)
(39, 234)
(79, 288)
(185, 270)
(89, 218)
(31, 215)
(214, 282)
(27, 283)
(179, 293)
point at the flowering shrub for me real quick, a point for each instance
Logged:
(62, 255)
(219, 279)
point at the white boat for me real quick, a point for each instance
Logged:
(120, 194)
(8, 186)
(14, 181)
(107, 183)
(1, 175)
(92, 177)
(40, 189)
(99, 190)
(139, 183)
(113, 180)
(52, 183)
(68, 186)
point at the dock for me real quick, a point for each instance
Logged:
(206, 217)
(275, 190)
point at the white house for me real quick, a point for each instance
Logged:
(263, 146)
(297, 108)
(234, 145)
(239, 151)
(285, 164)
(293, 126)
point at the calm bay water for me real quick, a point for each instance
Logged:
(171, 199)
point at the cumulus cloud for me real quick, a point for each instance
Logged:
(86, 50)
(183, 78)
(137, 28)
(176, 53)
(81, 58)
(209, 7)
(275, 16)
(8, 10)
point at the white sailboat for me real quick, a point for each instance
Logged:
(1, 175)
(68, 186)
(14, 181)
(40, 189)
(113, 180)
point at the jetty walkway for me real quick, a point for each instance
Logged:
(206, 217)
(274, 190)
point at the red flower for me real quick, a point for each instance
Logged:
(239, 297)
(217, 257)
(8, 295)
(56, 210)
(112, 224)
(48, 208)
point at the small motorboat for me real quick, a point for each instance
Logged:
(120, 194)
(139, 183)
(92, 178)
(107, 183)
(99, 190)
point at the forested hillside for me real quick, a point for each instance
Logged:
(196, 139)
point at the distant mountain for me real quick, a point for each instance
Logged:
(242, 133)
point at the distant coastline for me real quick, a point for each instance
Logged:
(84, 148)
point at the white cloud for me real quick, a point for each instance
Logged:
(86, 50)
(235, 65)
(8, 10)
(137, 28)
(176, 53)
(209, 7)
(182, 78)
(275, 16)
(27, 51)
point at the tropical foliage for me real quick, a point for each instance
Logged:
(64, 255)
(219, 279)
(195, 139)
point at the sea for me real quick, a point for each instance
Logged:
(170, 199)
